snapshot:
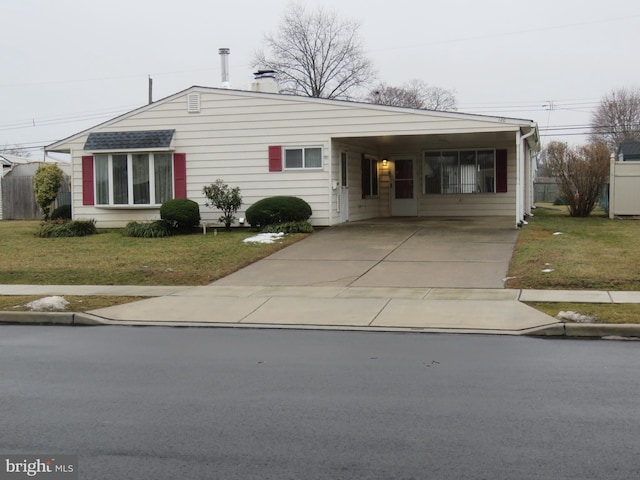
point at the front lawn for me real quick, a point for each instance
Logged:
(110, 258)
(555, 251)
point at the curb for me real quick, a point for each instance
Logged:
(568, 330)
(601, 330)
(586, 330)
(50, 318)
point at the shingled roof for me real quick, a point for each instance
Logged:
(129, 140)
(629, 150)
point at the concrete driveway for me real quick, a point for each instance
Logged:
(427, 275)
(450, 252)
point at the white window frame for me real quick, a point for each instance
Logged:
(303, 149)
(458, 151)
(374, 177)
(130, 197)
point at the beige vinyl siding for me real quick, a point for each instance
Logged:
(230, 136)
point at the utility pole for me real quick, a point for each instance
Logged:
(150, 89)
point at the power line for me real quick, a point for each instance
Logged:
(511, 33)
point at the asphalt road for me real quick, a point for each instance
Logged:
(160, 403)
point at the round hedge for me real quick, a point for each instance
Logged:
(183, 214)
(273, 210)
(63, 212)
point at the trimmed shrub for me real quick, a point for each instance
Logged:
(182, 214)
(226, 199)
(58, 229)
(274, 210)
(156, 229)
(63, 212)
(560, 201)
(46, 183)
(289, 227)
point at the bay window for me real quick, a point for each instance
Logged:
(133, 179)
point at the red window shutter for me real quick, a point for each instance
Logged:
(501, 171)
(180, 175)
(87, 180)
(275, 158)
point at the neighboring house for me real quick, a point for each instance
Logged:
(624, 181)
(350, 161)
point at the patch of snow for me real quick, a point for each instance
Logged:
(558, 233)
(547, 270)
(575, 317)
(264, 238)
(47, 303)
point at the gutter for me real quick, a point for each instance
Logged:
(520, 187)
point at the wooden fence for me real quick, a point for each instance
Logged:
(18, 198)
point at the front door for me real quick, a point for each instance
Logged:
(404, 201)
(343, 201)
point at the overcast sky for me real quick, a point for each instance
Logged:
(70, 64)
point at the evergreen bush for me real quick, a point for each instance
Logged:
(156, 229)
(274, 210)
(63, 212)
(60, 228)
(289, 227)
(182, 214)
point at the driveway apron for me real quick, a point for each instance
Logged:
(451, 252)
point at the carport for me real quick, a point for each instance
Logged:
(447, 172)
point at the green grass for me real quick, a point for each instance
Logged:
(16, 303)
(602, 312)
(109, 258)
(591, 253)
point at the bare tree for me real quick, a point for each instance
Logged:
(316, 54)
(413, 94)
(617, 118)
(15, 150)
(580, 173)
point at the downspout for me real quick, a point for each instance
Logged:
(521, 177)
(331, 149)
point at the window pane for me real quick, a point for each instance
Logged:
(343, 169)
(366, 176)
(101, 163)
(486, 171)
(468, 172)
(140, 167)
(374, 177)
(293, 158)
(313, 158)
(163, 169)
(449, 167)
(431, 170)
(120, 180)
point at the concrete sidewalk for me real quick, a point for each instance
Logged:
(442, 310)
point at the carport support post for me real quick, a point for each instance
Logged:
(521, 177)
(519, 149)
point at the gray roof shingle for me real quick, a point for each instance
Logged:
(129, 140)
(629, 150)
